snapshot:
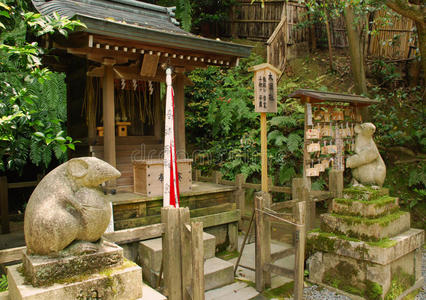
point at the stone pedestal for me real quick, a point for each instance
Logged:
(365, 246)
(102, 275)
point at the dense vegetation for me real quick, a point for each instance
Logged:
(32, 98)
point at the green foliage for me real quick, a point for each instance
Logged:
(3, 283)
(32, 99)
(222, 125)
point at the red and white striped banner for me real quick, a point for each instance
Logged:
(171, 178)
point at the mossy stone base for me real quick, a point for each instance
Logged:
(119, 283)
(365, 228)
(370, 209)
(383, 252)
(363, 278)
(364, 193)
(42, 270)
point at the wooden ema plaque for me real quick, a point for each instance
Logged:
(265, 88)
(148, 176)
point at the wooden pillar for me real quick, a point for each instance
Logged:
(4, 205)
(300, 191)
(300, 237)
(172, 253)
(180, 115)
(264, 152)
(187, 256)
(263, 241)
(197, 249)
(335, 183)
(109, 116)
(240, 196)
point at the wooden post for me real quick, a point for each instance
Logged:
(109, 117)
(240, 196)
(180, 115)
(263, 241)
(300, 191)
(299, 266)
(264, 152)
(217, 177)
(335, 183)
(172, 253)
(197, 261)
(4, 204)
(233, 236)
(185, 251)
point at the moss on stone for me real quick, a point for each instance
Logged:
(373, 291)
(364, 193)
(401, 281)
(227, 255)
(284, 291)
(343, 277)
(382, 221)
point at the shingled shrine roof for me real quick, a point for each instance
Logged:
(320, 96)
(138, 21)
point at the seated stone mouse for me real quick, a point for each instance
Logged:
(367, 165)
(69, 206)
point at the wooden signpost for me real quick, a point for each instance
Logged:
(265, 101)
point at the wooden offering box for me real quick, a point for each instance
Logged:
(148, 176)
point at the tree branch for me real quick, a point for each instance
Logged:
(412, 11)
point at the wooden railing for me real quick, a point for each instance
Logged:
(277, 45)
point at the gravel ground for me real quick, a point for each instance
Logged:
(316, 293)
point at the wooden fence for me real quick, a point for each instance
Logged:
(391, 39)
(253, 22)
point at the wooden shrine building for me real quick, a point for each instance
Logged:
(115, 74)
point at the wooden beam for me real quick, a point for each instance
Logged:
(279, 270)
(219, 219)
(282, 253)
(10, 255)
(180, 116)
(135, 234)
(109, 117)
(149, 65)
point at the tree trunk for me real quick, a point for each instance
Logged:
(421, 32)
(355, 52)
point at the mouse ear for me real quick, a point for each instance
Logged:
(77, 168)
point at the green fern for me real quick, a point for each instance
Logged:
(293, 142)
(3, 283)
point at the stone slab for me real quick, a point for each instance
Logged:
(118, 283)
(398, 246)
(365, 228)
(150, 251)
(217, 273)
(373, 208)
(41, 270)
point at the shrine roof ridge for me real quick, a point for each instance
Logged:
(317, 96)
(138, 21)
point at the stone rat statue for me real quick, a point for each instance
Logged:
(69, 206)
(367, 165)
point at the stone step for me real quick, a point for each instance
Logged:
(366, 229)
(237, 290)
(217, 273)
(364, 193)
(371, 208)
(150, 255)
(149, 293)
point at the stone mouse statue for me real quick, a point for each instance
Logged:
(367, 165)
(69, 206)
